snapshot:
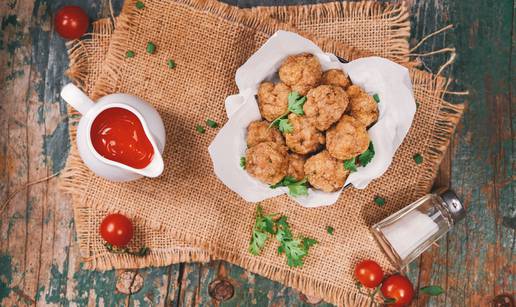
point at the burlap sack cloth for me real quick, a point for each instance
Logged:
(209, 41)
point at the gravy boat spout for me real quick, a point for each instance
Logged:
(155, 167)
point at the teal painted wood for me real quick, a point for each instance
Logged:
(39, 258)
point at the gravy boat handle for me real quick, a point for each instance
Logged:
(76, 98)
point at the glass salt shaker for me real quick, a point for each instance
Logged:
(409, 232)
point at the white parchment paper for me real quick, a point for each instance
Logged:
(390, 81)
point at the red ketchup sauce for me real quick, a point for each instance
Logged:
(117, 134)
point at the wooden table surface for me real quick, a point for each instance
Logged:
(39, 256)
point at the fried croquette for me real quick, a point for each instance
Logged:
(326, 104)
(273, 99)
(304, 138)
(296, 165)
(302, 72)
(325, 173)
(347, 139)
(267, 161)
(259, 132)
(335, 77)
(363, 107)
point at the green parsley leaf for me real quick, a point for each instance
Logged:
(376, 98)
(418, 158)
(350, 165)
(263, 227)
(200, 129)
(281, 249)
(295, 249)
(379, 201)
(139, 5)
(129, 54)
(432, 290)
(298, 188)
(211, 123)
(309, 242)
(367, 155)
(151, 47)
(295, 188)
(277, 120)
(329, 230)
(285, 126)
(296, 102)
(287, 180)
(258, 241)
(242, 162)
(171, 64)
(417, 105)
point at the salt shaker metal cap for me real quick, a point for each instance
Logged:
(453, 204)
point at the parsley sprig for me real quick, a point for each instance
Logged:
(363, 159)
(295, 105)
(267, 226)
(295, 187)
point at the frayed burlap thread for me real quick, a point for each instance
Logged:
(209, 41)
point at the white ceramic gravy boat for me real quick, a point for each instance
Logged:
(103, 167)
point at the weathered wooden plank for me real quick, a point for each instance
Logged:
(468, 264)
(36, 239)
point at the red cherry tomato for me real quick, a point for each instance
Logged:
(399, 288)
(116, 229)
(71, 22)
(369, 273)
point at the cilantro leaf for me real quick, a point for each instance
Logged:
(242, 162)
(263, 227)
(295, 188)
(211, 123)
(418, 158)
(200, 129)
(139, 5)
(295, 249)
(298, 188)
(258, 240)
(296, 102)
(266, 226)
(432, 290)
(277, 120)
(330, 230)
(367, 155)
(376, 98)
(285, 126)
(171, 64)
(350, 165)
(151, 47)
(129, 54)
(379, 201)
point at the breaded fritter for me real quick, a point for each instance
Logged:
(335, 77)
(304, 138)
(347, 139)
(267, 161)
(259, 131)
(273, 99)
(325, 173)
(302, 72)
(326, 104)
(363, 107)
(296, 165)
